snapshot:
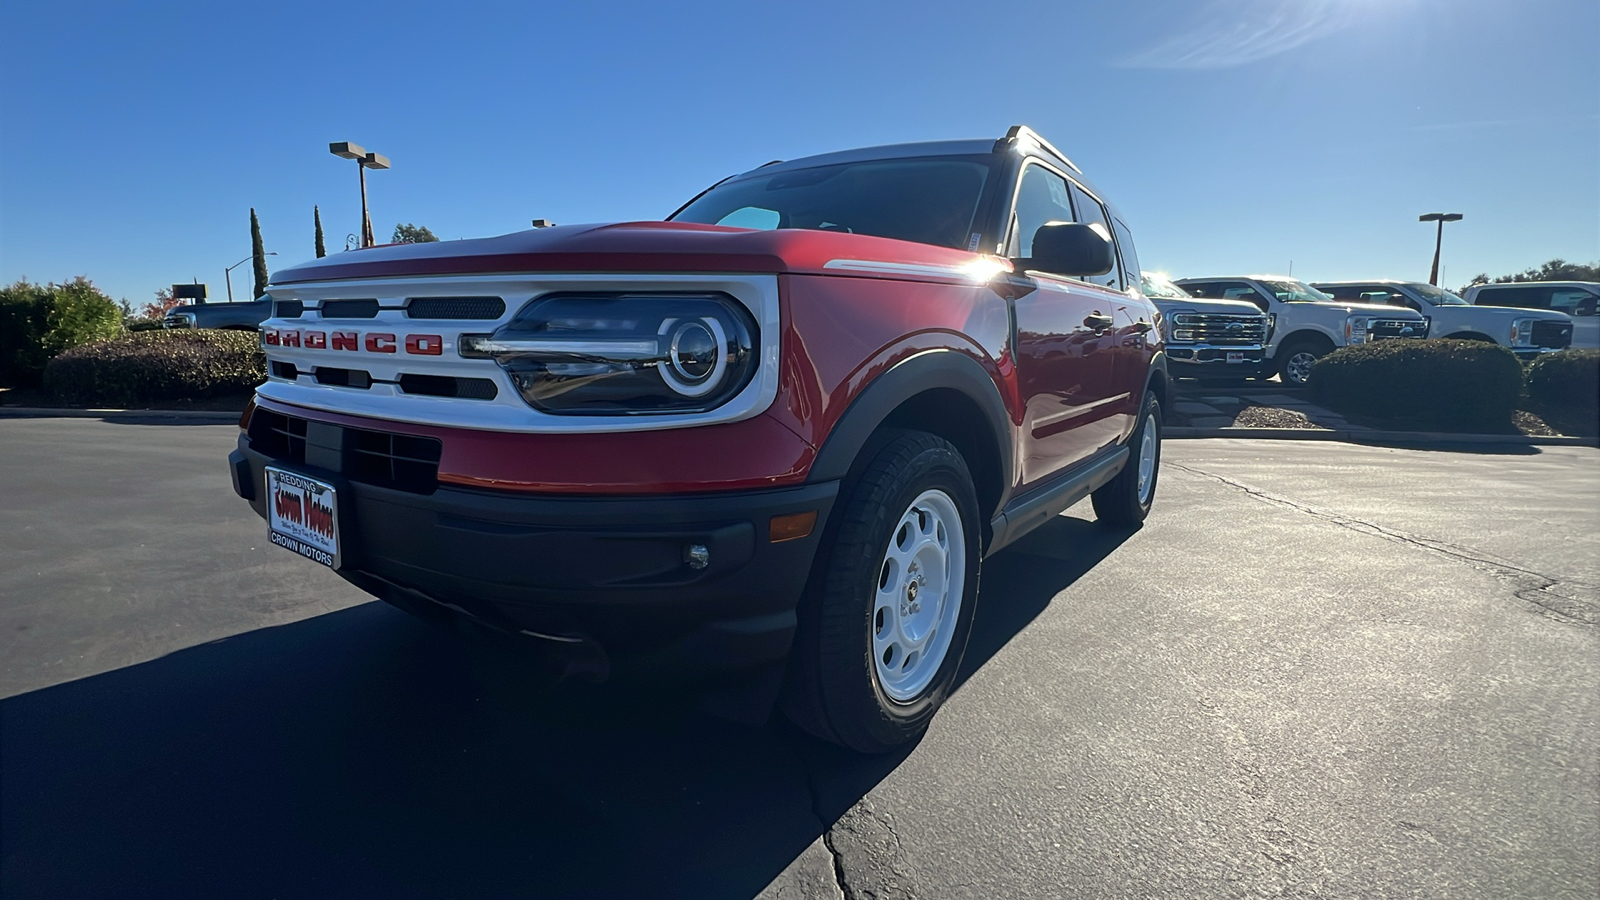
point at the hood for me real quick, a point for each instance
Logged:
(1382, 309)
(643, 247)
(1168, 305)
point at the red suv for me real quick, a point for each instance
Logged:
(767, 442)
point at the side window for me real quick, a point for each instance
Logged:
(1130, 258)
(1572, 301)
(1520, 297)
(1091, 213)
(1041, 199)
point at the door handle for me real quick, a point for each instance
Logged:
(1098, 322)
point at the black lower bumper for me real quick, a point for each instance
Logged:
(689, 584)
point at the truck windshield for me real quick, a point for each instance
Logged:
(1297, 292)
(1154, 284)
(1438, 297)
(928, 200)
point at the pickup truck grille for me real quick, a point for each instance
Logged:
(1222, 329)
(1384, 329)
(400, 461)
(1553, 335)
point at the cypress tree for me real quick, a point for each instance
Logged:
(258, 253)
(316, 216)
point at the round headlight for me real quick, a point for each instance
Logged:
(696, 358)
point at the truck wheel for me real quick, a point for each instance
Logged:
(1298, 358)
(1125, 500)
(884, 628)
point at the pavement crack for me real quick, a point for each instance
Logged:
(1570, 602)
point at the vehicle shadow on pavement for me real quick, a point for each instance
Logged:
(361, 753)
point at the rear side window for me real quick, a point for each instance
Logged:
(1090, 212)
(1130, 258)
(1573, 301)
(1520, 297)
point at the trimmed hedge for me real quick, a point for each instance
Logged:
(158, 366)
(1567, 380)
(1434, 384)
(38, 321)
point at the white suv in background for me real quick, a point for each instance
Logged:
(1526, 332)
(1306, 324)
(1576, 299)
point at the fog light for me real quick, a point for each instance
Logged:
(697, 556)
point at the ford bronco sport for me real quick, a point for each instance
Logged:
(767, 442)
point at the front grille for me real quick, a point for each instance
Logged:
(400, 461)
(1383, 329)
(349, 309)
(1556, 335)
(1223, 329)
(455, 308)
(353, 378)
(449, 386)
(285, 370)
(288, 309)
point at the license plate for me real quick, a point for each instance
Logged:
(303, 516)
(1235, 357)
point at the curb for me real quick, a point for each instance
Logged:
(1377, 437)
(44, 412)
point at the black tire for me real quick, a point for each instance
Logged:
(834, 689)
(1121, 503)
(1287, 360)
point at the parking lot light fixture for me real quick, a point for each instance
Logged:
(1438, 242)
(364, 160)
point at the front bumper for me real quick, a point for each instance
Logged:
(604, 585)
(1209, 361)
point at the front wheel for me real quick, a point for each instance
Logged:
(1297, 362)
(1125, 500)
(881, 640)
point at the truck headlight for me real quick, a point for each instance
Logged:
(1522, 332)
(611, 354)
(1182, 331)
(1355, 329)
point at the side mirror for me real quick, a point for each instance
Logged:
(1069, 248)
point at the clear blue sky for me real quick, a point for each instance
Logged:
(1236, 135)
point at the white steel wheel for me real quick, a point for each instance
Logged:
(918, 601)
(1149, 443)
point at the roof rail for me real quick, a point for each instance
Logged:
(1023, 134)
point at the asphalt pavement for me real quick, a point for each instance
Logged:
(1320, 669)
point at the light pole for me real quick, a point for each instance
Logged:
(1438, 241)
(227, 274)
(364, 161)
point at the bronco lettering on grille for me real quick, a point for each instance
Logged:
(383, 342)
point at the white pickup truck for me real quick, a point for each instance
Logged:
(1307, 324)
(1579, 300)
(1208, 339)
(1526, 332)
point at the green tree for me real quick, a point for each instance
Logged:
(412, 234)
(38, 321)
(258, 252)
(316, 217)
(1554, 270)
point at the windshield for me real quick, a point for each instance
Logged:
(1297, 292)
(930, 201)
(1437, 296)
(1155, 284)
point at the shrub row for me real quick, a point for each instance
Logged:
(38, 321)
(1569, 380)
(158, 366)
(1448, 385)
